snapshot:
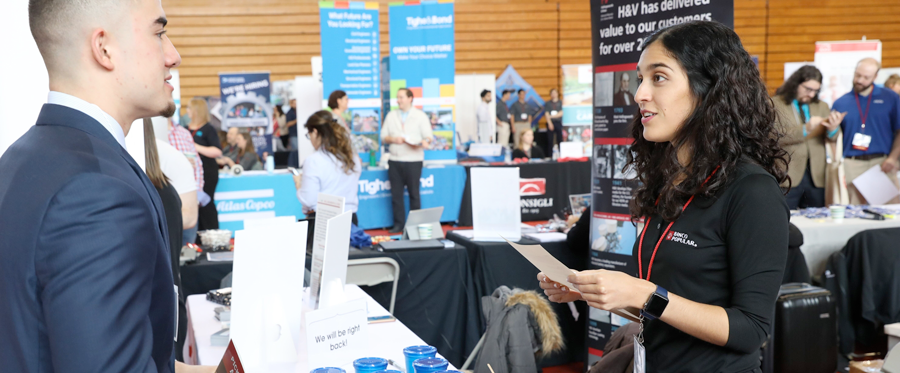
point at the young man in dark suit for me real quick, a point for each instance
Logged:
(87, 280)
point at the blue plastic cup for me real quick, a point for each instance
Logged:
(327, 370)
(388, 371)
(414, 353)
(430, 364)
(370, 364)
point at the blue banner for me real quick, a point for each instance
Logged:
(245, 104)
(423, 59)
(350, 63)
(255, 195)
(438, 186)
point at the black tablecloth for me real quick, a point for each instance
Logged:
(436, 297)
(495, 264)
(561, 179)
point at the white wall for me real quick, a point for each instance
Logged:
(25, 84)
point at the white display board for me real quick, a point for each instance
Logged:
(837, 61)
(308, 92)
(496, 211)
(267, 296)
(468, 97)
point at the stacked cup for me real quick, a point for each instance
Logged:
(425, 231)
(414, 353)
(327, 370)
(838, 212)
(370, 364)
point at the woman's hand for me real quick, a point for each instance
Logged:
(610, 290)
(557, 292)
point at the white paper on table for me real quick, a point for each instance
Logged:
(546, 236)
(222, 256)
(327, 207)
(496, 206)
(265, 222)
(335, 336)
(571, 149)
(875, 186)
(334, 261)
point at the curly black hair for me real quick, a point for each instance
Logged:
(788, 91)
(734, 120)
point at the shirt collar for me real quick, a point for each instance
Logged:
(93, 111)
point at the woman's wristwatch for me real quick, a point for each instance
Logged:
(656, 304)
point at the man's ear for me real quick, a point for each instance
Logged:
(100, 48)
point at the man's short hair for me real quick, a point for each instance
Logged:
(408, 92)
(53, 21)
(485, 93)
(553, 89)
(520, 90)
(505, 91)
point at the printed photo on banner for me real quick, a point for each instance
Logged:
(443, 140)
(603, 89)
(610, 160)
(282, 91)
(577, 133)
(613, 236)
(626, 86)
(245, 104)
(441, 118)
(578, 94)
(580, 203)
(365, 120)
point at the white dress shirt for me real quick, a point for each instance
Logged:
(93, 111)
(487, 126)
(323, 173)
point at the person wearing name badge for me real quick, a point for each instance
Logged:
(554, 112)
(408, 133)
(503, 119)
(871, 128)
(623, 96)
(805, 121)
(711, 256)
(521, 115)
(333, 168)
(84, 250)
(486, 125)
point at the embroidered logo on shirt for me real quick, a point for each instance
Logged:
(681, 238)
(879, 101)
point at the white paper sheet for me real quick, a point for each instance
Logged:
(496, 208)
(875, 186)
(327, 207)
(546, 236)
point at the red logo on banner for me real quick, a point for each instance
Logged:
(669, 236)
(532, 187)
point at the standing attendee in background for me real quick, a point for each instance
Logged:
(503, 119)
(279, 126)
(893, 83)
(527, 148)
(171, 174)
(712, 254)
(283, 128)
(805, 122)
(623, 96)
(408, 132)
(338, 102)
(521, 115)
(86, 271)
(181, 140)
(246, 155)
(206, 140)
(291, 122)
(486, 125)
(554, 112)
(871, 128)
(333, 168)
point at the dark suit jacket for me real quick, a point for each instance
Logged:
(85, 275)
(619, 98)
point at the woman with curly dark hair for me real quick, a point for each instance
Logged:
(711, 256)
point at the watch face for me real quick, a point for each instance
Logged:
(656, 305)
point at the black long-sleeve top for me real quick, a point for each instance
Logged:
(728, 251)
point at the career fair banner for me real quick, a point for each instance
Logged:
(618, 30)
(577, 103)
(423, 59)
(245, 104)
(350, 62)
(837, 62)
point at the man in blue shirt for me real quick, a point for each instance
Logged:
(871, 128)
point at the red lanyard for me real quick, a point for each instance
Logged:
(661, 237)
(866, 115)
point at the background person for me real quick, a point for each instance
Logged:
(246, 155)
(521, 115)
(871, 128)
(206, 140)
(893, 83)
(527, 148)
(181, 139)
(408, 132)
(486, 125)
(291, 122)
(554, 112)
(333, 168)
(805, 122)
(503, 119)
(339, 102)
(230, 150)
(714, 167)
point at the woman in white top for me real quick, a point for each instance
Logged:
(333, 168)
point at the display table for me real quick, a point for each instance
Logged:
(435, 296)
(497, 263)
(440, 185)
(386, 340)
(548, 194)
(823, 237)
